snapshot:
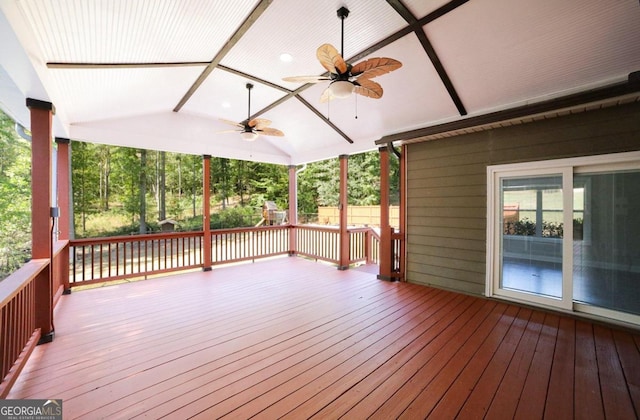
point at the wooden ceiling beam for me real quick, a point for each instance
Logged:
(244, 27)
(323, 118)
(70, 65)
(416, 26)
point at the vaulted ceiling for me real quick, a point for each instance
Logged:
(161, 74)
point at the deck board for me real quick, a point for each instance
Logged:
(534, 392)
(292, 338)
(587, 395)
(559, 402)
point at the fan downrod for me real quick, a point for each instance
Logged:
(249, 87)
(342, 12)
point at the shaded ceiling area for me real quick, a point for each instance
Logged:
(162, 74)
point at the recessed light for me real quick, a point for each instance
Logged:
(286, 57)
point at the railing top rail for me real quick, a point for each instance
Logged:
(250, 229)
(58, 246)
(134, 238)
(169, 235)
(12, 285)
(318, 228)
(360, 229)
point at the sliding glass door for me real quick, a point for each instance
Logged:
(566, 233)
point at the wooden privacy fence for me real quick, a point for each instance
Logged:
(358, 215)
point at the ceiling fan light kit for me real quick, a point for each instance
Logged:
(341, 88)
(248, 135)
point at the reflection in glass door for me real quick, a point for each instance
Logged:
(532, 232)
(606, 240)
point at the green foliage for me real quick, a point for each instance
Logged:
(526, 227)
(364, 179)
(552, 229)
(85, 177)
(233, 217)
(319, 183)
(578, 228)
(15, 194)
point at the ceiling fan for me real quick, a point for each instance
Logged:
(250, 129)
(344, 77)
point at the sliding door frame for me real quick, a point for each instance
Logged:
(566, 167)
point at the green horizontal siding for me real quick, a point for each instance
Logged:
(447, 191)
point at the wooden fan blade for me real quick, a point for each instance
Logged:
(368, 88)
(259, 123)
(306, 79)
(331, 59)
(230, 122)
(375, 67)
(270, 131)
(228, 131)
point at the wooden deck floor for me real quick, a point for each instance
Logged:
(293, 338)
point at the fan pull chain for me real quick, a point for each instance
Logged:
(329, 110)
(356, 106)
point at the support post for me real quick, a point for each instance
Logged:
(206, 212)
(41, 113)
(293, 209)
(343, 263)
(402, 214)
(385, 228)
(64, 205)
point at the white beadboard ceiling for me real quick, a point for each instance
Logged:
(160, 74)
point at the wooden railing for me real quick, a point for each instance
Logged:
(358, 244)
(244, 244)
(397, 255)
(97, 260)
(18, 332)
(374, 247)
(60, 267)
(321, 243)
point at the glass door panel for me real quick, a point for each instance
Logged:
(606, 245)
(532, 234)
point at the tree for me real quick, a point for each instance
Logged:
(161, 184)
(85, 176)
(126, 179)
(269, 183)
(104, 159)
(15, 194)
(143, 191)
